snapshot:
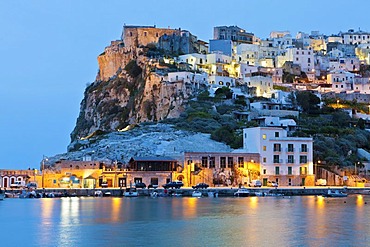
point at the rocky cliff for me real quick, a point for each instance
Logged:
(128, 91)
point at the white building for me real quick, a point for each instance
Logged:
(194, 79)
(361, 85)
(341, 80)
(263, 85)
(221, 80)
(286, 160)
(195, 60)
(303, 57)
(354, 38)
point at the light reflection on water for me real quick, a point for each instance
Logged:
(252, 221)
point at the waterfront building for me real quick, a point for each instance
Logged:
(284, 159)
(220, 169)
(8, 177)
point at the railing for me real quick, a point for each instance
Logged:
(303, 150)
(290, 161)
(289, 150)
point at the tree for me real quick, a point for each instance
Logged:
(307, 101)
(224, 91)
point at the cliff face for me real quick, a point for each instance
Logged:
(126, 91)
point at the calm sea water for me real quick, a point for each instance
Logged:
(252, 221)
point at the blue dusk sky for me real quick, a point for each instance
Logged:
(49, 49)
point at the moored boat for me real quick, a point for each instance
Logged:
(335, 193)
(196, 193)
(242, 192)
(131, 192)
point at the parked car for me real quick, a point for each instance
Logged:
(321, 182)
(140, 185)
(174, 184)
(152, 186)
(31, 185)
(200, 186)
(255, 183)
(272, 184)
(18, 184)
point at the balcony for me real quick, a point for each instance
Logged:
(289, 150)
(277, 150)
(303, 150)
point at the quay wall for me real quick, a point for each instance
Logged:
(222, 191)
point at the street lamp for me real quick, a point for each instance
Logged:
(43, 169)
(337, 103)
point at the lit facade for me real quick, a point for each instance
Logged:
(286, 160)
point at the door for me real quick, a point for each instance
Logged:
(122, 182)
(264, 182)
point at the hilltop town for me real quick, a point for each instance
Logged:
(167, 106)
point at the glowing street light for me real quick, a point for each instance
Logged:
(43, 169)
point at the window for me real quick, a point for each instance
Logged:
(276, 134)
(204, 161)
(277, 170)
(290, 170)
(264, 148)
(264, 159)
(290, 159)
(277, 147)
(303, 170)
(230, 162)
(304, 148)
(222, 162)
(276, 159)
(241, 162)
(302, 159)
(264, 171)
(156, 35)
(212, 163)
(290, 148)
(145, 33)
(264, 136)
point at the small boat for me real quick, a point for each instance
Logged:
(196, 193)
(242, 192)
(98, 193)
(131, 192)
(154, 194)
(335, 193)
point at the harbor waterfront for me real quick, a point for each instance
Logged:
(186, 221)
(184, 191)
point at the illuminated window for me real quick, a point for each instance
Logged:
(241, 162)
(264, 136)
(264, 148)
